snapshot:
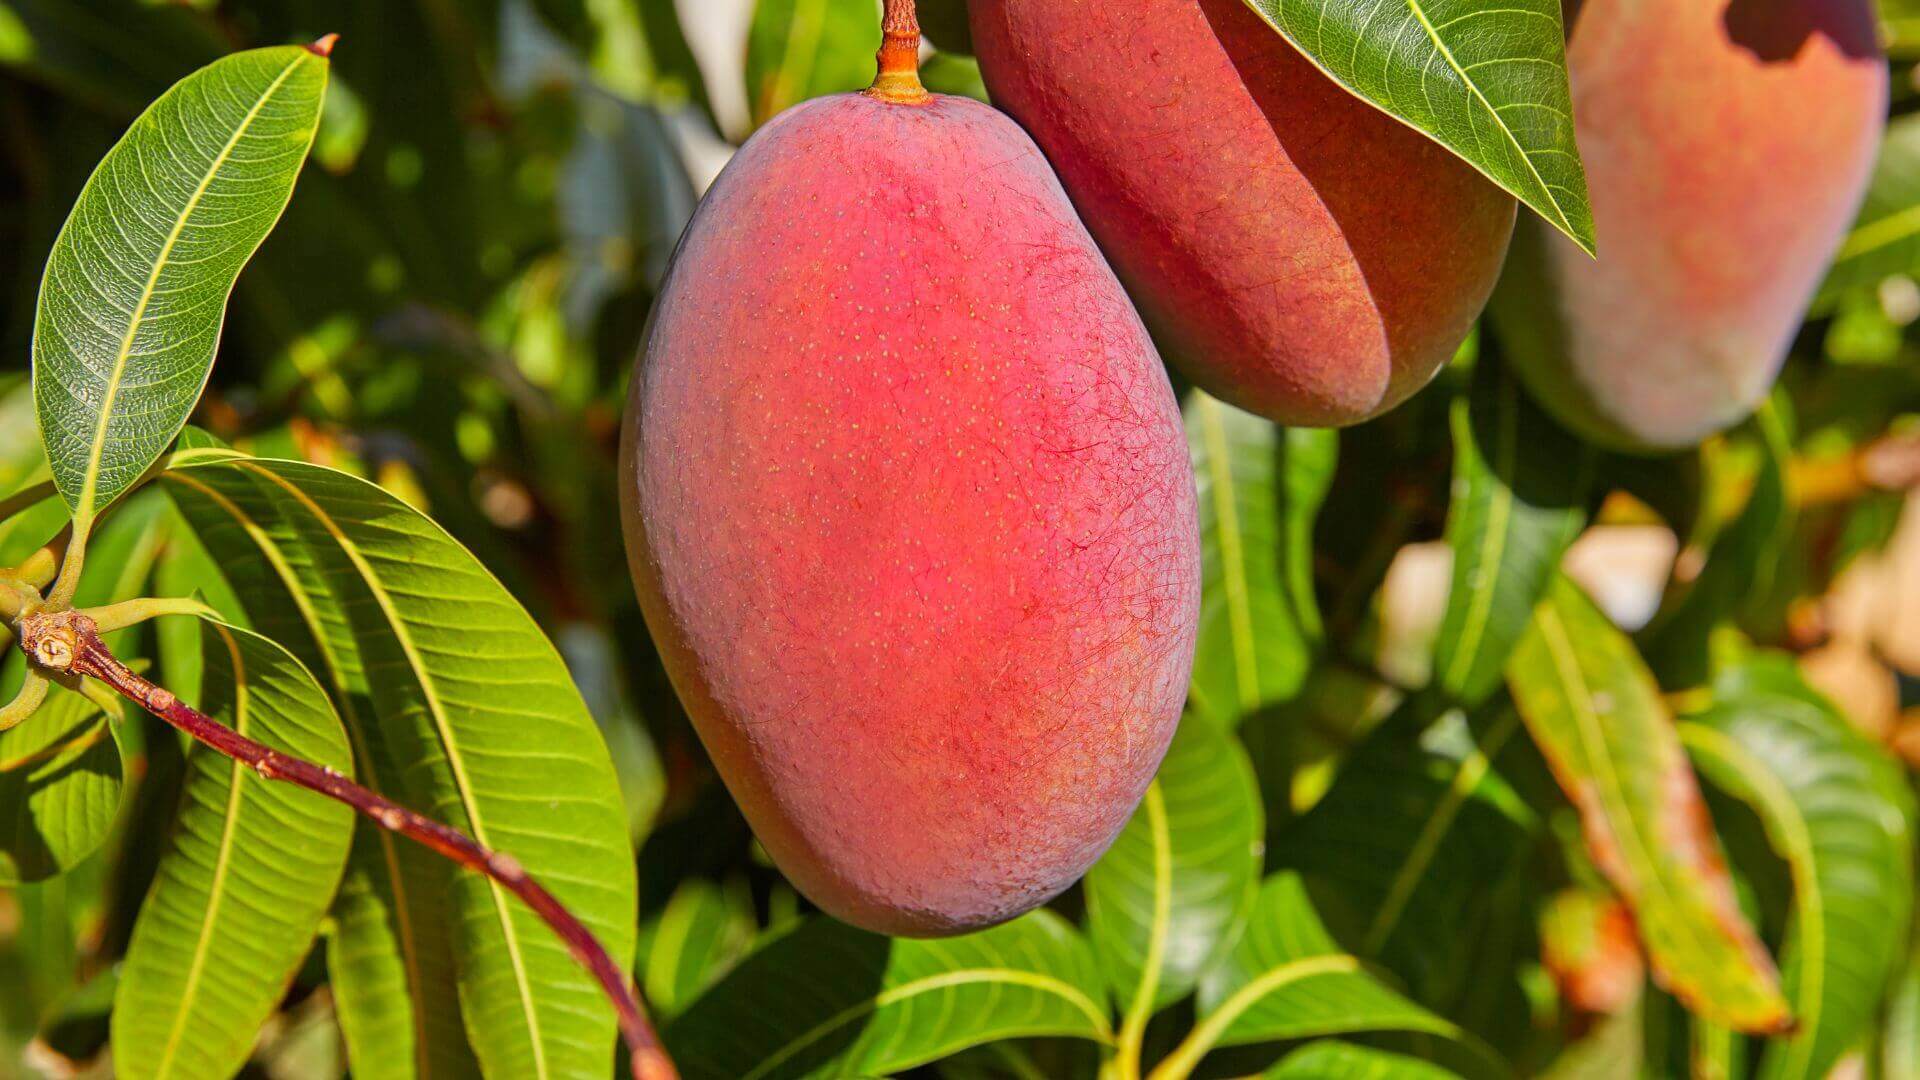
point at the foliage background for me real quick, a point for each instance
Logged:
(450, 306)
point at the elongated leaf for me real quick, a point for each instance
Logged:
(1288, 980)
(1900, 1031)
(1172, 893)
(1519, 492)
(800, 49)
(1837, 808)
(1260, 488)
(1739, 565)
(1345, 1061)
(1486, 81)
(701, 933)
(135, 290)
(827, 1000)
(463, 708)
(390, 954)
(1412, 840)
(1885, 239)
(61, 782)
(1594, 711)
(249, 872)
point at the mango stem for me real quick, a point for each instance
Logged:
(898, 79)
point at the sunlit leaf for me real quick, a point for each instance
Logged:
(1519, 491)
(1345, 1061)
(827, 1000)
(60, 788)
(800, 49)
(249, 872)
(1172, 893)
(1594, 711)
(1837, 808)
(1260, 488)
(1488, 82)
(434, 665)
(135, 291)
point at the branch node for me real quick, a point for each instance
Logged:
(52, 638)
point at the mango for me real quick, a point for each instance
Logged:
(1727, 146)
(1296, 251)
(909, 512)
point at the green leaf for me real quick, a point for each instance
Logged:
(1519, 500)
(1345, 1061)
(1286, 979)
(61, 773)
(433, 664)
(1739, 565)
(1172, 893)
(247, 877)
(1885, 239)
(1488, 82)
(1595, 713)
(1413, 838)
(827, 1000)
(1900, 1031)
(135, 290)
(702, 932)
(1837, 808)
(1260, 487)
(800, 49)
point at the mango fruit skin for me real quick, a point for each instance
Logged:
(910, 514)
(1297, 252)
(1727, 148)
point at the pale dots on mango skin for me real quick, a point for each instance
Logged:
(910, 514)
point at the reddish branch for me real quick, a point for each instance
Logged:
(68, 641)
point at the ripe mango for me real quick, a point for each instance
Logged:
(1728, 144)
(909, 512)
(1297, 252)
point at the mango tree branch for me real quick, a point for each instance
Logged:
(69, 641)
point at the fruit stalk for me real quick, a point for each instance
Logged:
(70, 642)
(898, 78)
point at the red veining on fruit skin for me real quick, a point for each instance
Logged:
(910, 513)
(1299, 253)
(1727, 147)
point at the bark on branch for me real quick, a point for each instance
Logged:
(68, 641)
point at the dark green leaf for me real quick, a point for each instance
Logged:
(1172, 893)
(249, 872)
(1260, 488)
(701, 933)
(827, 1000)
(1519, 499)
(1837, 808)
(1488, 82)
(1288, 980)
(1412, 840)
(433, 663)
(1345, 1061)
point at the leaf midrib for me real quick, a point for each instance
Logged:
(456, 765)
(1233, 560)
(1560, 648)
(1808, 897)
(1059, 988)
(216, 891)
(90, 484)
(403, 914)
(1493, 545)
(1465, 782)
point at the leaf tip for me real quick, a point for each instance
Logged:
(322, 47)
